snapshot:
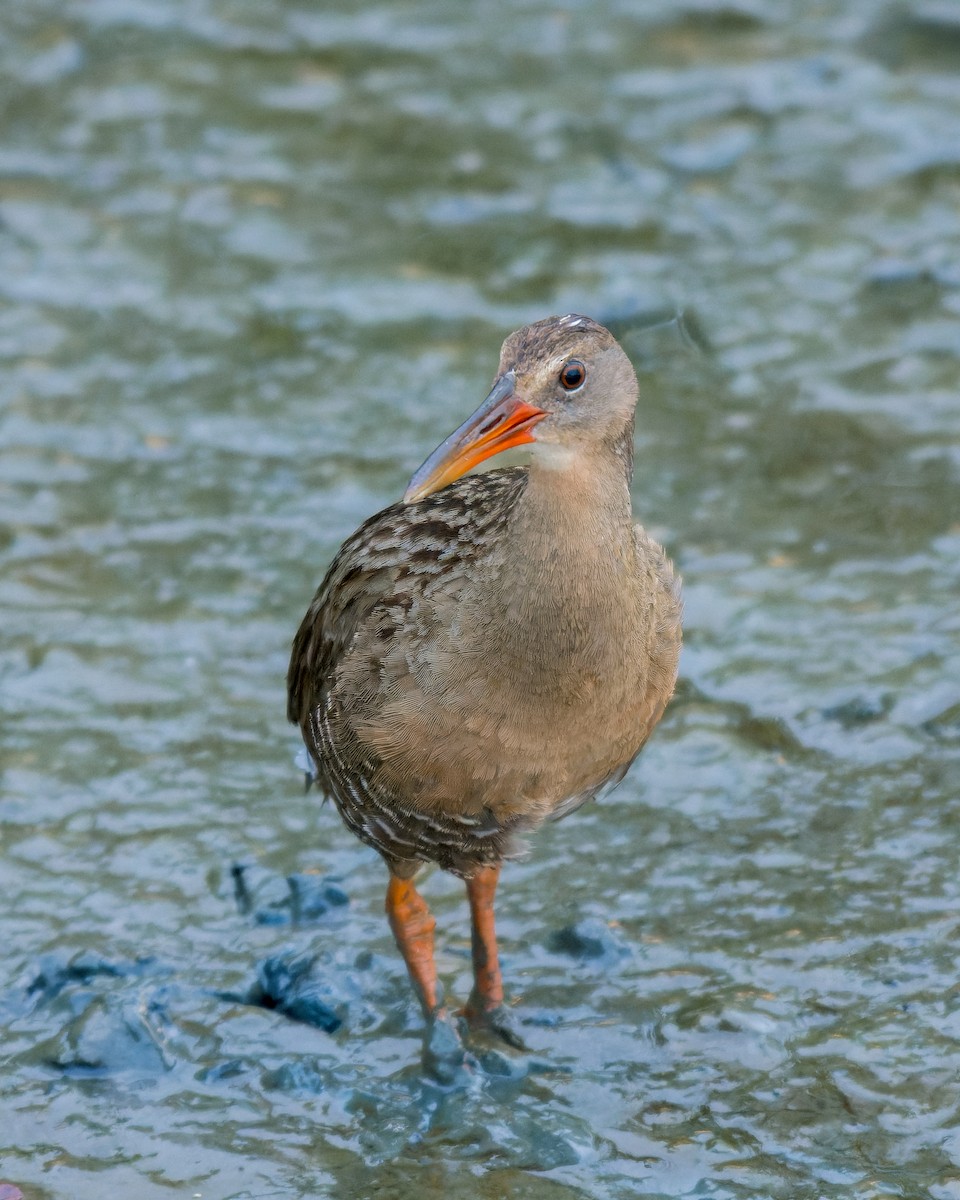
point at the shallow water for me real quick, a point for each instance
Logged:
(256, 259)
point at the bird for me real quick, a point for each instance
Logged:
(491, 651)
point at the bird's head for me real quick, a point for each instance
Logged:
(564, 386)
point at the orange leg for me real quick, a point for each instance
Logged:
(413, 924)
(487, 993)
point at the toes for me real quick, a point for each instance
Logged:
(499, 1021)
(445, 1059)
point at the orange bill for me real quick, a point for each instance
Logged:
(501, 422)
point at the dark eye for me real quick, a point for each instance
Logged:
(573, 375)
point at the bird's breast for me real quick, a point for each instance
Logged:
(528, 690)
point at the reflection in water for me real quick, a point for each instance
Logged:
(252, 257)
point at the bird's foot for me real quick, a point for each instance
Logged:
(445, 1058)
(499, 1021)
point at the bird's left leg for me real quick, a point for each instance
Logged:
(485, 1006)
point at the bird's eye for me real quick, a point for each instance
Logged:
(573, 375)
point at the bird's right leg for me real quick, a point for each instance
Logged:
(413, 924)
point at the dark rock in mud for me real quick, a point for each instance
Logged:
(55, 973)
(274, 900)
(588, 939)
(294, 987)
(109, 1036)
(312, 896)
(860, 710)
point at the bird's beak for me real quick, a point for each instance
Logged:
(500, 422)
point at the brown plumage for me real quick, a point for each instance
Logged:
(486, 654)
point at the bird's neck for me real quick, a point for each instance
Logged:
(567, 575)
(569, 558)
(579, 498)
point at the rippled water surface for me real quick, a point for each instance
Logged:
(256, 259)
